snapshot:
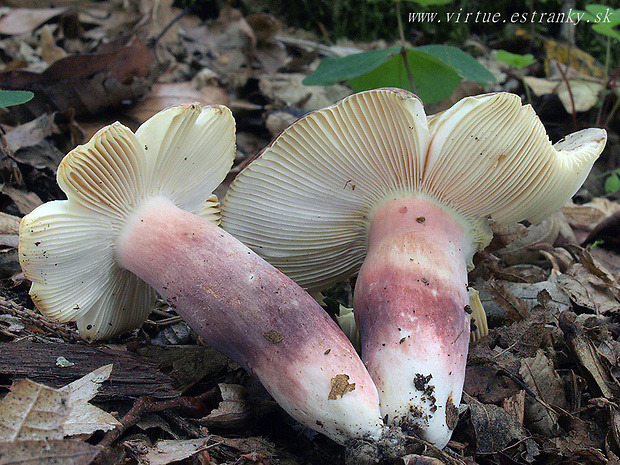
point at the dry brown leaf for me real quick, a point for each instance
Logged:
(25, 20)
(489, 370)
(287, 89)
(515, 406)
(159, 15)
(415, 459)
(584, 90)
(587, 357)
(25, 201)
(608, 259)
(515, 308)
(166, 452)
(52, 452)
(85, 418)
(9, 224)
(595, 267)
(518, 243)
(50, 52)
(540, 377)
(34, 143)
(588, 290)
(231, 30)
(495, 429)
(233, 410)
(527, 292)
(166, 95)
(88, 83)
(32, 411)
(588, 215)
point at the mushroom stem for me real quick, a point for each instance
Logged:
(252, 312)
(410, 299)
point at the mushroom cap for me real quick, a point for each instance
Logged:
(304, 203)
(67, 247)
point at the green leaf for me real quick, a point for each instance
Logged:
(515, 60)
(9, 98)
(434, 80)
(612, 184)
(603, 19)
(337, 69)
(466, 65)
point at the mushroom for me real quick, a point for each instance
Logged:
(372, 186)
(134, 225)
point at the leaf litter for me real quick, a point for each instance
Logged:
(542, 387)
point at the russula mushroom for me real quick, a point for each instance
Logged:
(372, 186)
(127, 231)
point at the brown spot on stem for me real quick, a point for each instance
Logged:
(273, 336)
(340, 386)
(452, 413)
(420, 219)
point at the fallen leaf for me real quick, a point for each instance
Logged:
(166, 95)
(169, 451)
(287, 89)
(32, 411)
(590, 214)
(587, 357)
(491, 373)
(519, 249)
(515, 405)
(539, 375)
(584, 90)
(25, 201)
(50, 452)
(9, 224)
(88, 82)
(524, 292)
(232, 412)
(588, 290)
(495, 429)
(50, 52)
(24, 20)
(85, 418)
(515, 308)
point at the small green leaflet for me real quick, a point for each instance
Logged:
(9, 98)
(436, 70)
(515, 60)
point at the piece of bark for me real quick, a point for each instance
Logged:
(132, 376)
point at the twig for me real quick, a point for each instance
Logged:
(401, 29)
(570, 94)
(403, 49)
(438, 453)
(403, 52)
(183, 13)
(148, 404)
(611, 83)
(8, 306)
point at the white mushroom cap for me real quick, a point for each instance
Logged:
(67, 247)
(304, 203)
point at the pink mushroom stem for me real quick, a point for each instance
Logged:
(411, 308)
(252, 312)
